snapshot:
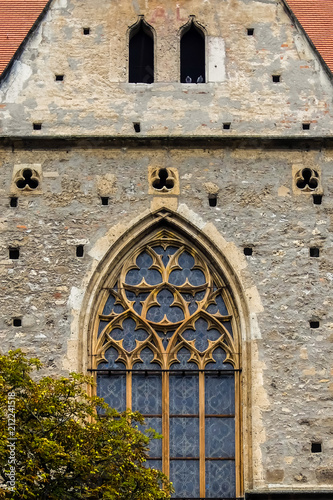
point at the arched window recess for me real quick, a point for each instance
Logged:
(166, 343)
(192, 53)
(141, 53)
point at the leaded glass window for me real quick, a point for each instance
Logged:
(167, 345)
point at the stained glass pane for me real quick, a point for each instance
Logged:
(184, 475)
(194, 276)
(151, 276)
(155, 445)
(111, 306)
(165, 298)
(201, 334)
(220, 437)
(113, 389)
(153, 464)
(183, 356)
(129, 334)
(147, 357)
(137, 299)
(101, 326)
(111, 356)
(219, 395)
(227, 325)
(220, 479)
(192, 300)
(219, 356)
(218, 307)
(184, 437)
(184, 394)
(147, 394)
(165, 253)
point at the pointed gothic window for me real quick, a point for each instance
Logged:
(192, 55)
(141, 54)
(166, 344)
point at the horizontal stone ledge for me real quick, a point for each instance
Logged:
(291, 495)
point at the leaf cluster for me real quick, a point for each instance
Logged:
(69, 445)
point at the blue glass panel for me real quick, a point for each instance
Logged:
(193, 306)
(155, 445)
(165, 298)
(137, 299)
(165, 253)
(129, 334)
(152, 276)
(227, 325)
(184, 394)
(110, 306)
(178, 276)
(219, 356)
(146, 356)
(183, 355)
(219, 395)
(184, 437)
(218, 307)
(147, 394)
(220, 437)
(184, 475)
(153, 464)
(113, 389)
(201, 334)
(220, 479)
(111, 356)
(101, 326)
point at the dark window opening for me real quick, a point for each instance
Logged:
(276, 78)
(163, 180)
(314, 324)
(226, 126)
(212, 200)
(137, 127)
(315, 447)
(59, 78)
(192, 56)
(248, 251)
(317, 198)
(314, 252)
(27, 180)
(17, 322)
(250, 31)
(86, 31)
(79, 251)
(13, 201)
(306, 126)
(141, 55)
(105, 200)
(37, 126)
(14, 253)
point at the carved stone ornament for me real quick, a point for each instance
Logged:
(163, 180)
(307, 180)
(26, 179)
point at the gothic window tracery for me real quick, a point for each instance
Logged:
(167, 345)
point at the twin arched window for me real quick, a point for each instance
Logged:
(141, 54)
(167, 345)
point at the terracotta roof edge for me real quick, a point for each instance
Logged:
(300, 27)
(21, 47)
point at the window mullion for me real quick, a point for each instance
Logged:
(202, 434)
(129, 390)
(165, 424)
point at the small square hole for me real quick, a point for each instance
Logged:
(13, 201)
(276, 78)
(306, 126)
(105, 200)
(250, 31)
(79, 251)
(17, 322)
(212, 200)
(248, 251)
(226, 126)
(314, 252)
(317, 198)
(315, 447)
(137, 127)
(86, 31)
(314, 324)
(37, 126)
(59, 78)
(14, 253)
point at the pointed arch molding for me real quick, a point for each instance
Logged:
(212, 249)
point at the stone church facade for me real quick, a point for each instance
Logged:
(166, 226)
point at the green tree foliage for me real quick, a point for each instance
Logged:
(58, 448)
